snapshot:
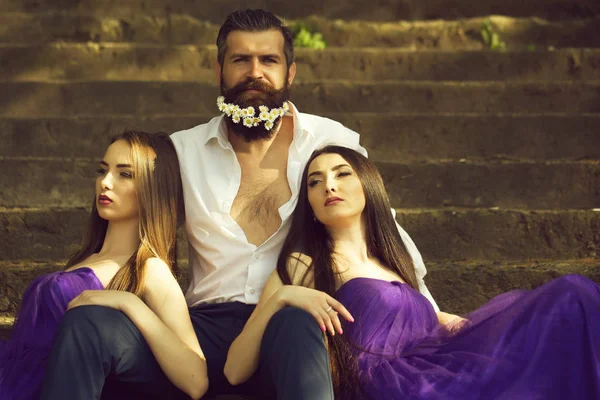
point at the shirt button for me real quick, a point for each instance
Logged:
(252, 291)
(257, 256)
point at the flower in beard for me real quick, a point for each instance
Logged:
(255, 93)
(246, 98)
(248, 122)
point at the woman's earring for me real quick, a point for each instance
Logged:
(314, 219)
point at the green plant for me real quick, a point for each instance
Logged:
(304, 38)
(491, 38)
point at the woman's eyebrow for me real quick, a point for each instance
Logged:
(118, 165)
(333, 169)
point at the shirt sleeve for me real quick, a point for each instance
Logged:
(420, 269)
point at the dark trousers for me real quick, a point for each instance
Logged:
(99, 353)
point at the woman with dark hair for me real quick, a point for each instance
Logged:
(344, 256)
(125, 263)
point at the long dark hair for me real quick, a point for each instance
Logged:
(310, 237)
(160, 202)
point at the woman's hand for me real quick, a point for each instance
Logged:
(452, 322)
(117, 299)
(324, 308)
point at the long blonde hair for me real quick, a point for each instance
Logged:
(160, 202)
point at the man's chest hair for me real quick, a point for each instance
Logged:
(258, 200)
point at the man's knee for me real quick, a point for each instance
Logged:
(97, 322)
(291, 323)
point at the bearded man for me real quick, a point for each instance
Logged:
(241, 175)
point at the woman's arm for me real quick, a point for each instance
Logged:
(452, 322)
(164, 321)
(244, 353)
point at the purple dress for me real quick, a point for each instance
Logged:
(23, 356)
(538, 344)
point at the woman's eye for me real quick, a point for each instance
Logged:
(126, 175)
(312, 183)
(101, 171)
(345, 173)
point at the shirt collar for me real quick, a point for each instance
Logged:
(217, 129)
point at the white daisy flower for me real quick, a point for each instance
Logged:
(273, 115)
(256, 121)
(263, 109)
(222, 107)
(251, 111)
(229, 110)
(285, 107)
(236, 118)
(248, 122)
(264, 116)
(269, 125)
(220, 99)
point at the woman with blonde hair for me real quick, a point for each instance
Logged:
(125, 263)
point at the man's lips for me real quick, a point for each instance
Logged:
(332, 200)
(104, 200)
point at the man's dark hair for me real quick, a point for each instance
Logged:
(254, 21)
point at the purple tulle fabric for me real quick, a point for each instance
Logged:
(23, 356)
(538, 344)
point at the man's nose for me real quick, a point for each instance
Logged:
(255, 71)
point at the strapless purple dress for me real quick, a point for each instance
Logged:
(23, 356)
(541, 344)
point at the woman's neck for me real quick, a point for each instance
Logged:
(122, 239)
(350, 242)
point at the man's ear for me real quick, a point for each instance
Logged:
(291, 73)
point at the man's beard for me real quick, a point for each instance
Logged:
(265, 95)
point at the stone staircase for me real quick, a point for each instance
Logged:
(491, 157)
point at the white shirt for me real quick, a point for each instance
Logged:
(223, 265)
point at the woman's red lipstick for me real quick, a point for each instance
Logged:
(332, 200)
(104, 200)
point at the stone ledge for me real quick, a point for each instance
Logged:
(398, 136)
(132, 62)
(217, 10)
(517, 33)
(52, 99)
(60, 182)
(458, 287)
(440, 234)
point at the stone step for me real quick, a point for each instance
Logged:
(465, 34)
(51, 99)
(458, 287)
(390, 136)
(6, 323)
(60, 182)
(126, 62)
(217, 10)
(440, 234)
